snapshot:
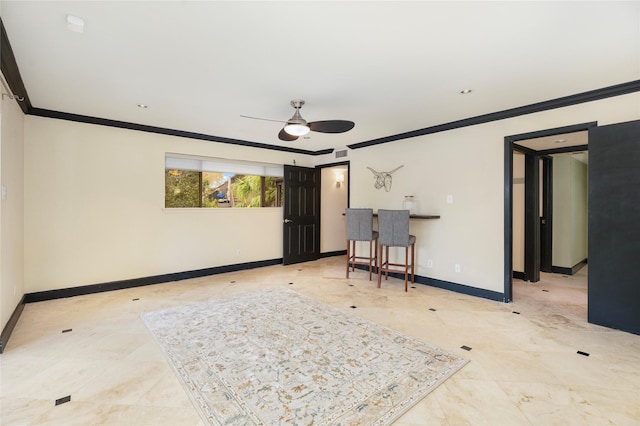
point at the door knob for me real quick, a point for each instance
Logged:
(287, 221)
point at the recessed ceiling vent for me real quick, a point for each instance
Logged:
(341, 153)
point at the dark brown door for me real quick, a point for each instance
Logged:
(614, 226)
(301, 228)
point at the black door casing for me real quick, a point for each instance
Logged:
(546, 221)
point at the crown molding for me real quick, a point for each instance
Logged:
(592, 95)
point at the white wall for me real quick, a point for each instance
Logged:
(467, 163)
(11, 209)
(94, 196)
(561, 256)
(463, 163)
(94, 208)
(518, 212)
(333, 225)
(580, 178)
(570, 219)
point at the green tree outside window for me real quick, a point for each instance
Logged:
(221, 190)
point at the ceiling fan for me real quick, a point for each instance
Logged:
(297, 126)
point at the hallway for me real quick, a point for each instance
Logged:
(556, 294)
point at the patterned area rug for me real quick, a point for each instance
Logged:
(274, 356)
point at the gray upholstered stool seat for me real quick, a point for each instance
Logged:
(360, 228)
(393, 226)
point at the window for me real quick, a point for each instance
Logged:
(217, 183)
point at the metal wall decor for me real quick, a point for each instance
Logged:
(383, 179)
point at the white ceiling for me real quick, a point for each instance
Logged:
(391, 67)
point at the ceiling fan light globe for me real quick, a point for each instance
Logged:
(295, 129)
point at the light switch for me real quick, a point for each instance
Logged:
(449, 199)
(4, 192)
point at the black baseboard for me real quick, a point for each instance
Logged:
(42, 296)
(13, 320)
(519, 275)
(461, 288)
(561, 270)
(569, 271)
(139, 282)
(447, 285)
(333, 253)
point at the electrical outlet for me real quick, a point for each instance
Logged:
(4, 192)
(457, 267)
(238, 252)
(429, 263)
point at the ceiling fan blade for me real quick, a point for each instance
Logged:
(331, 126)
(284, 136)
(263, 119)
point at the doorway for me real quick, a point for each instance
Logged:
(614, 232)
(314, 203)
(534, 146)
(334, 199)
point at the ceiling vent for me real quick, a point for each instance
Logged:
(341, 153)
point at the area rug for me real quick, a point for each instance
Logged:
(274, 357)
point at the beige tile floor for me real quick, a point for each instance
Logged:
(524, 369)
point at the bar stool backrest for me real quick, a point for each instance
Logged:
(393, 226)
(359, 224)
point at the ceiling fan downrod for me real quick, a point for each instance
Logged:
(297, 118)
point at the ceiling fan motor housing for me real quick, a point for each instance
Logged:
(297, 118)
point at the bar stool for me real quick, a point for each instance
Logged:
(393, 226)
(360, 228)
